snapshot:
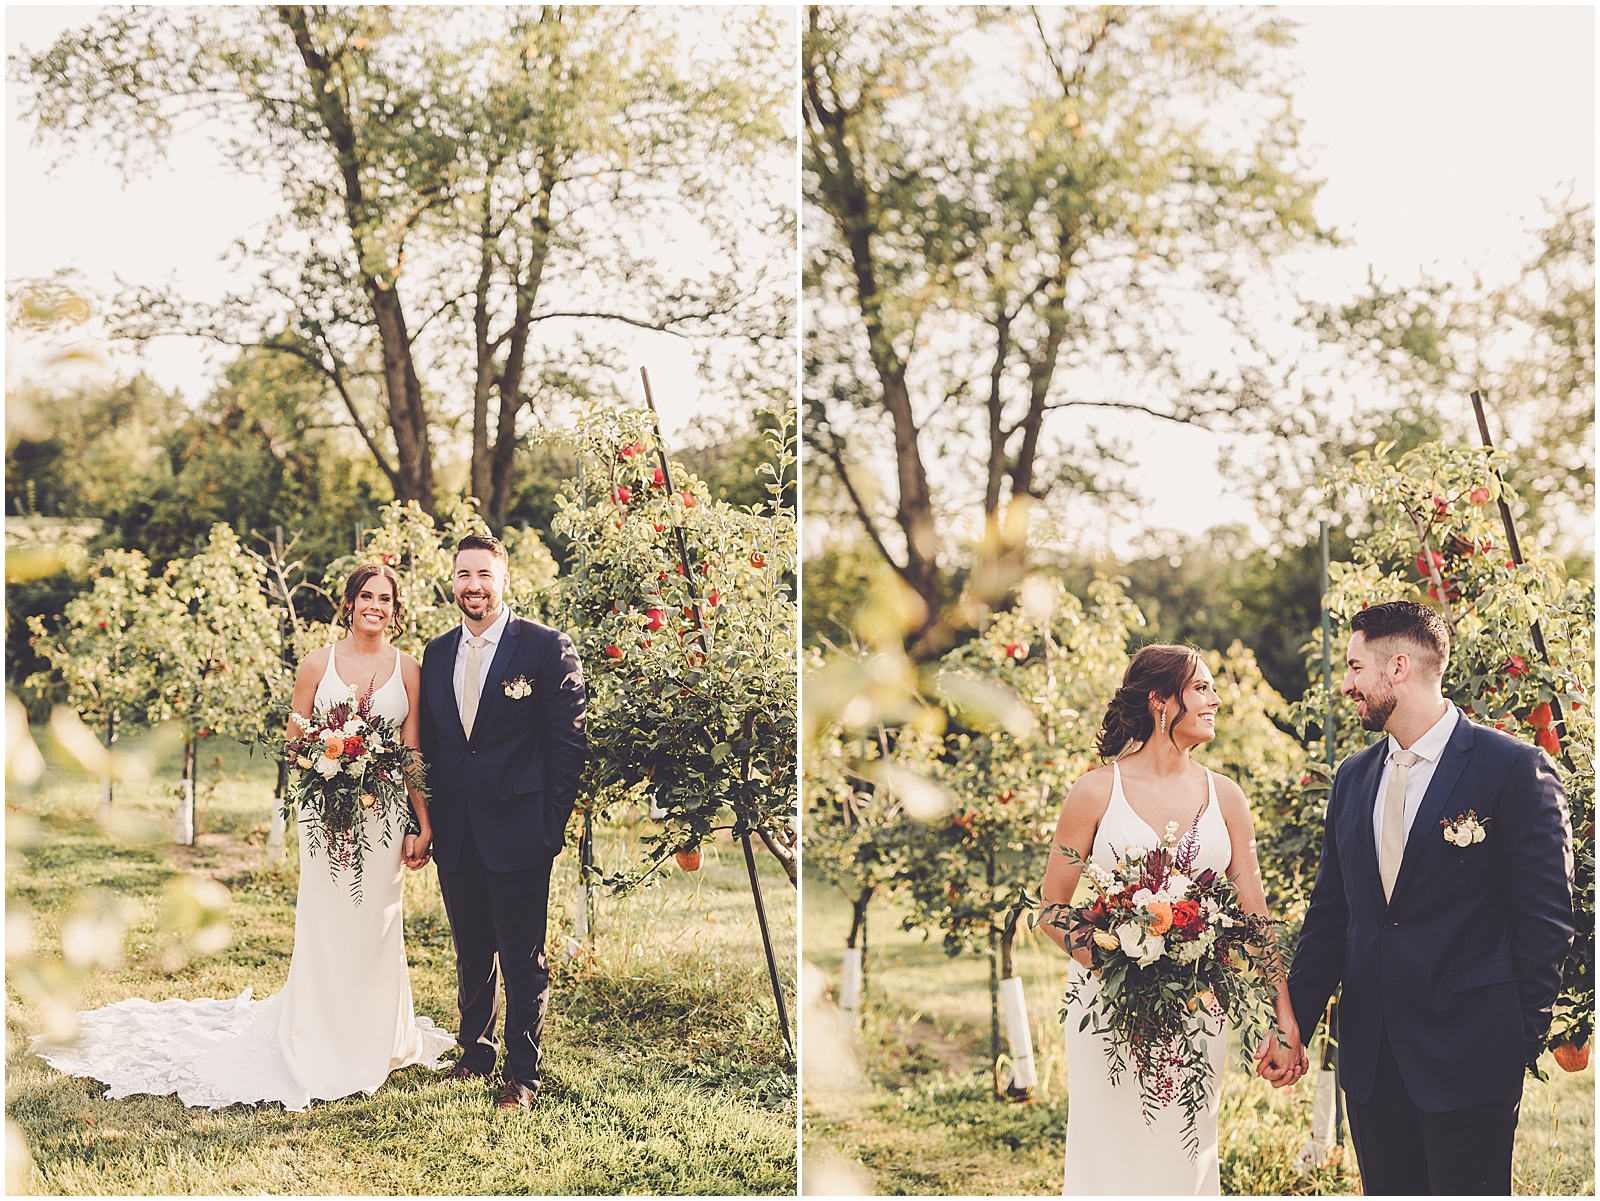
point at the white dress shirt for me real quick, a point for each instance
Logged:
(1428, 749)
(485, 657)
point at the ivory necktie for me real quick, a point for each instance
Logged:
(1393, 847)
(469, 686)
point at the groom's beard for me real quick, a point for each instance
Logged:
(490, 612)
(1379, 710)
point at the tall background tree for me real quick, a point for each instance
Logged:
(976, 260)
(451, 179)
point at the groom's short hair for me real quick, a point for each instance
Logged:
(486, 542)
(1407, 621)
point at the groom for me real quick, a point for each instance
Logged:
(503, 737)
(1450, 955)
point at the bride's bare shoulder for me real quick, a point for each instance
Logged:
(1092, 790)
(313, 664)
(410, 669)
(1232, 802)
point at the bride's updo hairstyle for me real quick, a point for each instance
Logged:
(1159, 668)
(357, 581)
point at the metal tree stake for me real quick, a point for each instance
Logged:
(1516, 557)
(1330, 1044)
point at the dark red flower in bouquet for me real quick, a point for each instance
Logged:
(353, 746)
(1186, 917)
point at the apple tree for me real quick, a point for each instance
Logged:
(684, 614)
(214, 646)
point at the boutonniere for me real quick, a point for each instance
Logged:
(1466, 829)
(518, 688)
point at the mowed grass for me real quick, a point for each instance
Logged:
(922, 1119)
(664, 1072)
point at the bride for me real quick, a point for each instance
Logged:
(1165, 708)
(343, 1021)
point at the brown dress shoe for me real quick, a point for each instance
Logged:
(516, 1096)
(462, 1072)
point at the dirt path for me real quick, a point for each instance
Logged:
(220, 856)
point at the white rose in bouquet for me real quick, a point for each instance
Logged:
(1136, 946)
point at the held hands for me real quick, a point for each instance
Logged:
(1282, 1060)
(417, 849)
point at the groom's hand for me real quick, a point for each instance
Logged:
(414, 852)
(1281, 1060)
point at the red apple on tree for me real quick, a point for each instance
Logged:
(1570, 1058)
(689, 860)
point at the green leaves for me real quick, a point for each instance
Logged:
(688, 647)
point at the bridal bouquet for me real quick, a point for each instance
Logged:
(352, 766)
(1174, 953)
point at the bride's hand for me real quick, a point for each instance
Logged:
(1282, 1060)
(417, 849)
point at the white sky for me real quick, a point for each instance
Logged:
(1439, 130)
(173, 224)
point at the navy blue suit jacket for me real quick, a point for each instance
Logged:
(517, 777)
(1462, 965)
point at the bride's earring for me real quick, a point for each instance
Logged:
(1163, 721)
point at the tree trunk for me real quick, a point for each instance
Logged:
(408, 417)
(509, 383)
(106, 787)
(483, 380)
(1019, 1039)
(277, 834)
(853, 989)
(846, 194)
(186, 816)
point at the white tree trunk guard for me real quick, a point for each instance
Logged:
(850, 987)
(1014, 1008)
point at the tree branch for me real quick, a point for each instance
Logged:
(836, 456)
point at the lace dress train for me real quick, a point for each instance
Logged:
(342, 1022)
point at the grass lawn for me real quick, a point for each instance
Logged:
(916, 1114)
(663, 1069)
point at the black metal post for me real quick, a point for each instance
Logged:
(994, 992)
(1338, 1087)
(1556, 710)
(766, 941)
(586, 856)
(109, 793)
(1327, 653)
(677, 528)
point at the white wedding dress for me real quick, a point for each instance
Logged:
(1111, 1150)
(341, 1024)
